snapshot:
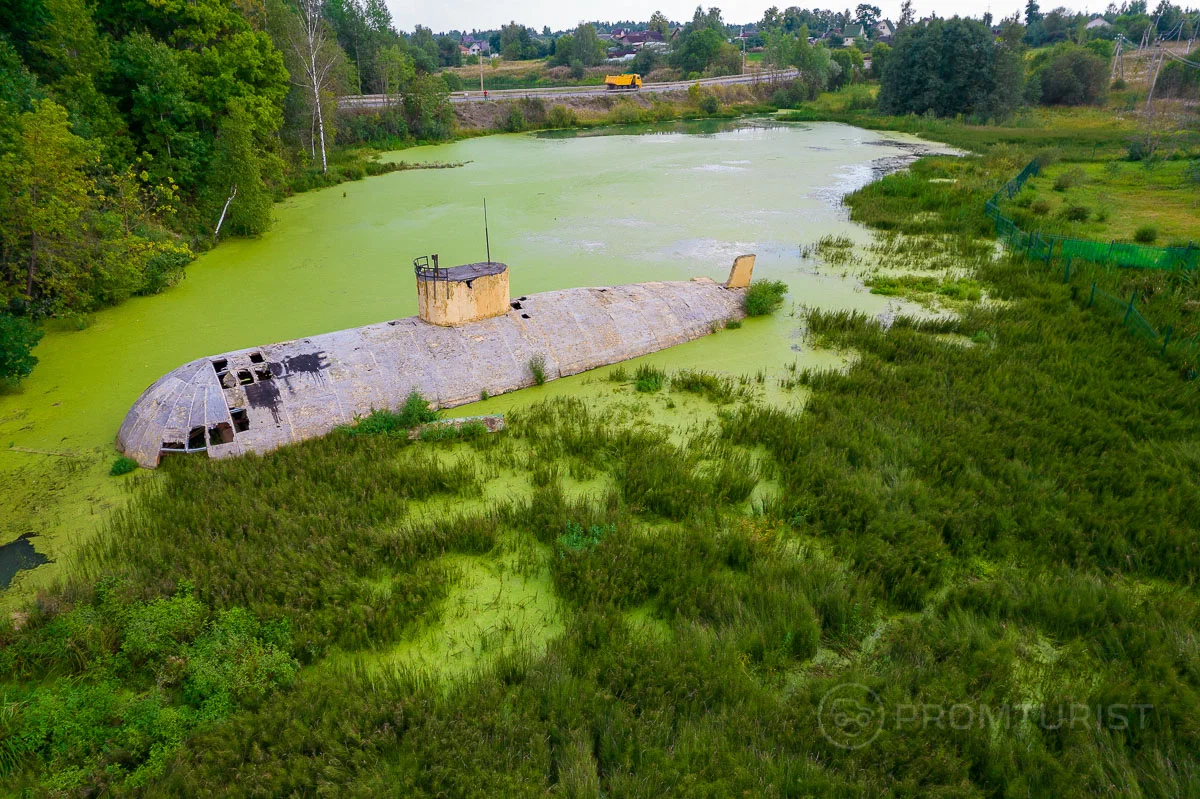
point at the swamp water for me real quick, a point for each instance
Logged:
(565, 210)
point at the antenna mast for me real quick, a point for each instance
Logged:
(486, 239)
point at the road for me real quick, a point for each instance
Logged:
(379, 100)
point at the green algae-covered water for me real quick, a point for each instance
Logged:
(564, 211)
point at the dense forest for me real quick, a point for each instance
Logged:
(134, 132)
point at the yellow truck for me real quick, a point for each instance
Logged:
(623, 83)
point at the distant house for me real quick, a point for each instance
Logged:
(476, 46)
(639, 39)
(884, 27)
(1097, 22)
(853, 31)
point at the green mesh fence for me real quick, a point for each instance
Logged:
(1043, 245)
(1132, 319)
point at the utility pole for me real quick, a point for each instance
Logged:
(1161, 57)
(481, 69)
(743, 38)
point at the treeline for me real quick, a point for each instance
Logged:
(134, 132)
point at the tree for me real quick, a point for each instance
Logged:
(1033, 12)
(586, 47)
(699, 49)
(18, 337)
(396, 69)
(907, 17)
(1073, 76)
(237, 196)
(161, 112)
(516, 43)
(427, 107)
(423, 48)
(879, 58)
(47, 192)
(317, 53)
(950, 67)
(449, 54)
(850, 62)
(659, 23)
(867, 16)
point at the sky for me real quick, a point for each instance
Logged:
(563, 14)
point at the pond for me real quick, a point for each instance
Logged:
(647, 203)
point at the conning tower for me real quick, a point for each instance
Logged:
(459, 294)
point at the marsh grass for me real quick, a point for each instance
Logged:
(537, 367)
(649, 379)
(718, 389)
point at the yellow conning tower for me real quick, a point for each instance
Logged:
(459, 294)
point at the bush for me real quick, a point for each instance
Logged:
(122, 466)
(537, 366)
(1074, 76)
(1146, 234)
(561, 117)
(415, 411)
(18, 337)
(1040, 207)
(514, 121)
(764, 297)
(1070, 179)
(1075, 213)
(709, 104)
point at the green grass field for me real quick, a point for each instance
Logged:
(1112, 200)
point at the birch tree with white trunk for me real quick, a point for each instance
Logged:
(319, 57)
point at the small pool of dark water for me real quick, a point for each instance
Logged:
(16, 556)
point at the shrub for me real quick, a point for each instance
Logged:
(1074, 76)
(1146, 234)
(764, 297)
(733, 324)
(415, 411)
(649, 379)
(122, 465)
(1069, 179)
(709, 104)
(514, 121)
(1075, 213)
(18, 337)
(1040, 207)
(561, 117)
(537, 366)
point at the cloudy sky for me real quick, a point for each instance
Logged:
(561, 14)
